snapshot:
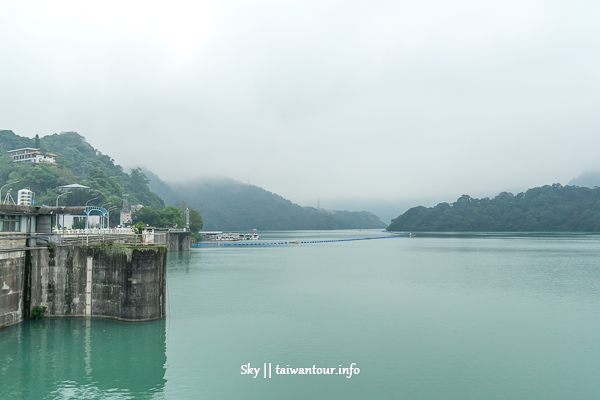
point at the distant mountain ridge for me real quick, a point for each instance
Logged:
(588, 179)
(228, 205)
(554, 208)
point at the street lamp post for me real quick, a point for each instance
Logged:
(10, 183)
(62, 194)
(108, 215)
(95, 198)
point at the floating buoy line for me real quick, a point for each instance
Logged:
(289, 242)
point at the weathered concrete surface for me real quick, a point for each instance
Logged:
(58, 280)
(179, 241)
(12, 241)
(12, 268)
(128, 283)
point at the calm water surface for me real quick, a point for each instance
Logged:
(437, 317)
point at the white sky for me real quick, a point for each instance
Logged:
(389, 100)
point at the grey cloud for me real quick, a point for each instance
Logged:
(363, 100)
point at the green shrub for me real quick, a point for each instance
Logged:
(38, 312)
(137, 228)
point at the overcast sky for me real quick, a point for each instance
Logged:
(389, 100)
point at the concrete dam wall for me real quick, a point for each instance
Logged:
(12, 269)
(121, 282)
(179, 241)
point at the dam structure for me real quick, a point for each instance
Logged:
(102, 276)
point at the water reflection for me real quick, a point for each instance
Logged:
(179, 260)
(78, 358)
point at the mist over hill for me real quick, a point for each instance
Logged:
(227, 205)
(588, 179)
(224, 204)
(385, 209)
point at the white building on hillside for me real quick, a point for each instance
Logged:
(29, 154)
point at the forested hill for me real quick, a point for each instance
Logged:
(228, 205)
(76, 162)
(553, 208)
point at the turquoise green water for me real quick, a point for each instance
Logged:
(438, 317)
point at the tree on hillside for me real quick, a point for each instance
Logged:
(79, 155)
(195, 217)
(10, 141)
(549, 208)
(174, 216)
(136, 184)
(105, 189)
(148, 216)
(6, 167)
(170, 217)
(195, 220)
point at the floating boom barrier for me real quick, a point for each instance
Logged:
(288, 242)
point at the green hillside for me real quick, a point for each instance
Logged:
(76, 162)
(553, 208)
(229, 205)
(224, 204)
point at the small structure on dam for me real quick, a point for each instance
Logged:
(87, 276)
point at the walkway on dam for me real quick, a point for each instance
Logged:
(245, 243)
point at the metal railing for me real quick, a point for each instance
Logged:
(113, 239)
(177, 229)
(95, 231)
(23, 240)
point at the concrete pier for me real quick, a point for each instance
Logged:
(179, 241)
(121, 282)
(12, 271)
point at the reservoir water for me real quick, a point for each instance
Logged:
(430, 317)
